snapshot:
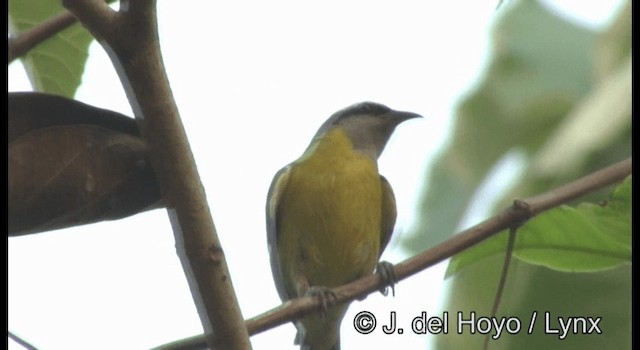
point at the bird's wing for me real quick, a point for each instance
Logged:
(276, 190)
(389, 213)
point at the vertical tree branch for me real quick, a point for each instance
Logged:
(130, 37)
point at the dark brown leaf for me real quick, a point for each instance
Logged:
(72, 164)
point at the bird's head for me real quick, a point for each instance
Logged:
(368, 125)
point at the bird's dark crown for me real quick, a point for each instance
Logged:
(362, 108)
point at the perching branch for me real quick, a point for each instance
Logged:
(130, 37)
(521, 211)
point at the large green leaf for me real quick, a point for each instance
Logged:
(540, 68)
(589, 237)
(56, 65)
(536, 289)
(586, 238)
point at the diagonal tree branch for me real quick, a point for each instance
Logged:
(521, 211)
(25, 344)
(22, 43)
(130, 37)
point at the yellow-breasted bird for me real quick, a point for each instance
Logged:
(330, 214)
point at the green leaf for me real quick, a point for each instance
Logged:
(613, 217)
(567, 239)
(490, 247)
(583, 239)
(56, 65)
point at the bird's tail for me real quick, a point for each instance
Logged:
(335, 346)
(300, 340)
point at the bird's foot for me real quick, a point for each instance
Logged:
(388, 275)
(326, 295)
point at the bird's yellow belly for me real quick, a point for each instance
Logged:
(331, 223)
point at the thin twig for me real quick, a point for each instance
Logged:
(20, 44)
(503, 279)
(505, 269)
(130, 37)
(521, 211)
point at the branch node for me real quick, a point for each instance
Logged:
(95, 15)
(519, 204)
(215, 254)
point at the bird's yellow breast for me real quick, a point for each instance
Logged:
(329, 221)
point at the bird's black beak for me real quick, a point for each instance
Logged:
(401, 116)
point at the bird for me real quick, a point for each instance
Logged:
(330, 215)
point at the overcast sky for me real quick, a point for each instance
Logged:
(253, 81)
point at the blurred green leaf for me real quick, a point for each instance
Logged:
(614, 45)
(597, 130)
(561, 96)
(56, 65)
(582, 239)
(540, 68)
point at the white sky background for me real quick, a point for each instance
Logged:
(253, 81)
